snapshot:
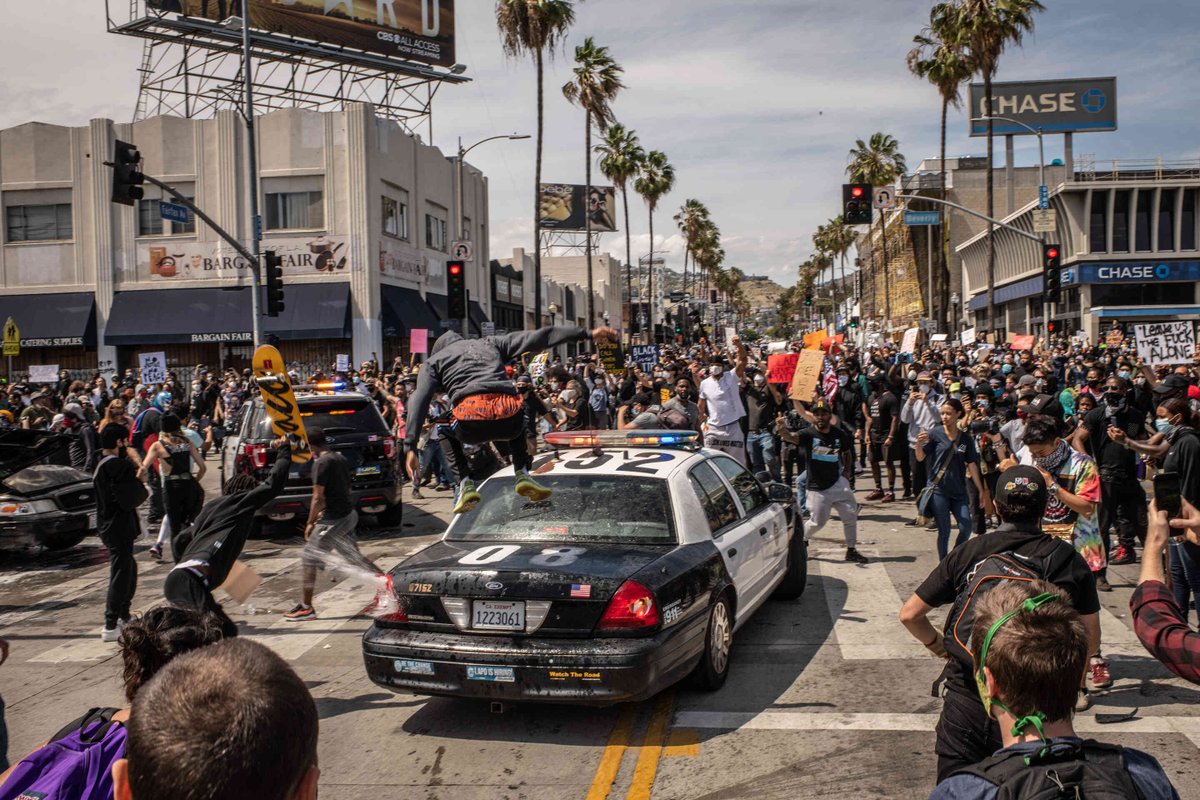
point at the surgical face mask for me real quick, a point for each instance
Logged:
(843, 380)
(759, 380)
(1164, 426)
(1039, 384)
(1124, 374)
(1139, 381)
(925, 388)
(715, 371)
(912, 374)
(1007, 368)
(982, 403)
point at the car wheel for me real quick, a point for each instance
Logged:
(796, 577)
(390, 517)
(718, 641)
(63, 541)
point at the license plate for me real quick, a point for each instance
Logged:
(494, 674)
(496, 615)
(411, 667)
(91, 521)
(367, 470)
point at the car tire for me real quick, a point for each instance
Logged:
(713, 668)
(63, 541)
(390, 517)
(796, 577)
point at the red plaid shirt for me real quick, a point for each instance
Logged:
(1164, 631)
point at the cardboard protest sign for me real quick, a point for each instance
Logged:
(909, 343)
(968, 337)
(812, 341)
(807, 375)
(1166, 343)
(153, 366)
(44, 373)
(781, 368)
(418, 340)
(611, 356)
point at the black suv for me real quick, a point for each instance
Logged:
(43, 500)
(355, 429)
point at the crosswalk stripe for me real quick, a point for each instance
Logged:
(865, 618)
(1117, 638)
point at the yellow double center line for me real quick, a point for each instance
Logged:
(650, 751)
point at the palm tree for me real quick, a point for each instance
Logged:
(839, 238)
(621, 160)
(657, 179)
(878, 163)
(596, 83)
(691, 219)
(940, 59)
(984, 28)
(537, 28)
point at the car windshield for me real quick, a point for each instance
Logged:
(333, 415)
(40, 477)
(591, 508)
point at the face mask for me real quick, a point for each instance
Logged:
(926, 388)
(843, 380)
(912, 374)
(1194, 405)
(1124, 374)
(1007, 368)
(1039, 385)
(715, 371)
(759, 380)
(1094, 384)
(1164, 426)
(1139, 381)
(1022, 413)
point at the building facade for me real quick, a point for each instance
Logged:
(564, 301)
(361, 213)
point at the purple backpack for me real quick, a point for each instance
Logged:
(75, 765)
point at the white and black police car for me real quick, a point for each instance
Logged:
(634, 574)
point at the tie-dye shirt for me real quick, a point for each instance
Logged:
(1079, 476)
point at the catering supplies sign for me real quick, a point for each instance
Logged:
(566, 207)
(1057, 106)
(199, 261)
(1166, 343)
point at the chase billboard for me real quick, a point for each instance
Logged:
(1060, 106)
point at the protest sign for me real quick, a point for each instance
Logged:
(729, 334)
(418, 340)
(1115, 337)
(154, 367)
(343, 362)
(644, 355)
(537, 367)
(781, 368)
(968, 337)
(1022, 342)
(611, 356)
(1166, 343)
(812, 341)
(909, 343)
(43, 373)
(807, 375)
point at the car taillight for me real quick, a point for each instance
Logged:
(389, 447)
(256, 454)
(632, 607)
(394, 616)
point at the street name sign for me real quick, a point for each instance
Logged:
(922, 218)
(1045, 220)
(173, 212)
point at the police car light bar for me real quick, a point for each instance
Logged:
(632, 438)
(328, 386)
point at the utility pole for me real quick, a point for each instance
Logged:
(252, 165)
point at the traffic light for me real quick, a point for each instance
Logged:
(854, 322)
(808, 299)
(856, 203)
(1052, 272)
(712, 297)
(1050, 326)
(127, 180)
(273, 266)
(456, 289)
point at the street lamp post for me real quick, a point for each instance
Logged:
(458, 198)
(553, 309)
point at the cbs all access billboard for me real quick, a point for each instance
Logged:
(414, 30)
(1059, 106)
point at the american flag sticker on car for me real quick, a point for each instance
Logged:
(581, 591)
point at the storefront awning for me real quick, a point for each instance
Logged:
(1013, 291)
(441, 306)
(179, 316)
(403, 309)
(476, 315)
(52, 320)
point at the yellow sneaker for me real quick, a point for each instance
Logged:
(529, 488)
(468, 498)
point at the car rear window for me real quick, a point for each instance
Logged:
(582, 508)
(334, 415)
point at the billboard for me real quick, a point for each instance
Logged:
(1060, 106)
(415, 30)
(565, 206)
(192, 261)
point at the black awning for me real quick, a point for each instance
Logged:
(52, 320)
(213, 314)
(441, 306)
(476, 315)
(403, 309)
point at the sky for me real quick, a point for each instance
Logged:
(756, 104)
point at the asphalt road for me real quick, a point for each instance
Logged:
(827, 695)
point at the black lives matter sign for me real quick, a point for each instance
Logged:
(1166, 343)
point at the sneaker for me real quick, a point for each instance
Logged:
(301, 612)
(889, 497)
(112, 634)
(529, 488)
(417, 492)
(442, 487)
(859, 469)
(468, 498)
(855, 556)
(156, 552)
(912, 523)
(1122, 555)
(875, 495)
(1102, 584)
(1098, 675)
(909, 496)
(1083, 701)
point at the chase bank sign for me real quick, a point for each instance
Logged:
(1061, 106)
(1135, 272)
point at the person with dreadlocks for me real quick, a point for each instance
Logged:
(1032, 698)
(215, 539)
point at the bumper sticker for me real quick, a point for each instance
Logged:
(413, 667)
(495, 674)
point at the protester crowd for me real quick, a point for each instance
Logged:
(1034, 459)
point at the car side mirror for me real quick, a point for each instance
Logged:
(779, 493)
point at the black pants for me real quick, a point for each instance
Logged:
(507, 430)
(185, 589)
(184, 499)
(791, 458)
(1122, 506)
(154, 513)
(965, 734)
(122, 575)
(990, 479)
(917, 470)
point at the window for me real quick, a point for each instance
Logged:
(1098, 234)
(1187, 225)
(714, 497)
(150, 222)
(39, 223)
(1166, 219)
(1143, 294)
(748, 490)
(395, 217)
(435, 233)
(1145, 199)
(1120, 222)
(295, 210)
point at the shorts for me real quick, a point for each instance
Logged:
(728, 439)
(487, 407)
(893, 453)
(332, 536)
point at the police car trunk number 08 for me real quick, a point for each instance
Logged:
(498, 616)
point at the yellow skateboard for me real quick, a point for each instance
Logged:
(280, 400)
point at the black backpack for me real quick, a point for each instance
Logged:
(1091, 771)
(988, 573)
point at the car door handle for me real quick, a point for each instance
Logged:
(732, 552)
(762, 531)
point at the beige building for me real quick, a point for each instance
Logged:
(564, 285)
(361, 212)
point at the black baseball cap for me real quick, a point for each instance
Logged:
(1021, 480)
(1172, 383)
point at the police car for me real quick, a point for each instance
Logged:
(634, 574)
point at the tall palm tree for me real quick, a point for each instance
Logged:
(691, 219)
(536, 28)
(656, 180)
(839, 238)
(985, 28)
(596, 84)
(939, 58)
(878, 163)
(621, 160)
